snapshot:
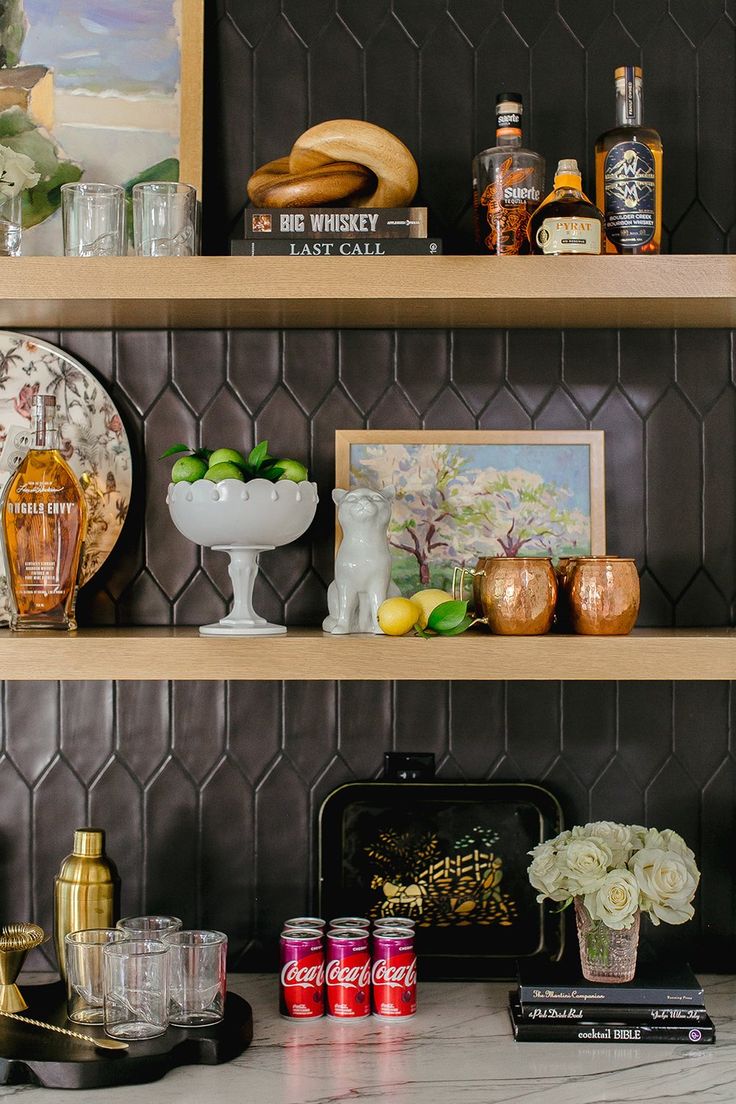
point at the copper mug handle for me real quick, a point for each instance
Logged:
(458, 581)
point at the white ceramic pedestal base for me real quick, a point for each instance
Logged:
(242, 620)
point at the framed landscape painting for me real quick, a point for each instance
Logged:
(100, 91)
(462, 495)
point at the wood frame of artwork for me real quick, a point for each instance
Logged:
(191, 93)
(594, 438)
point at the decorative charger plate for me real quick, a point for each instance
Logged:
(453, 856)
(93, 439)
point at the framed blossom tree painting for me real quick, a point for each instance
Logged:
(462, 495)
(99, 90)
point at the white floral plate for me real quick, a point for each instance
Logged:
(93, 439)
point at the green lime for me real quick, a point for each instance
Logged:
(217, 472)
(226, 456)
(292, 470)
(188, 469)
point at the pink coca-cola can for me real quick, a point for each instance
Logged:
(395, 922)
(394, 974)
(302, 988)
(306, 922)
(350, 922)
(348, 974)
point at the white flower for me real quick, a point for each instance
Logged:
(545, 874)
(616, 902)
(667, 884)
(671, 841)
(585, 863)
(16, 172)
(618, 837)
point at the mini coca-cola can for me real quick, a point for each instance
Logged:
(306, 922)
(394, 974)
(395, 922)
(348, 974)
(302, 988)
(350, 922)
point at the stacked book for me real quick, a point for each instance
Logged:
(336, 232)
(555, 1004)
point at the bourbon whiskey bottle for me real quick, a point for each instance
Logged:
(44, 520)
(508, 181)
(628, 173)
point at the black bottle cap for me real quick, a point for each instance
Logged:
(509, 97)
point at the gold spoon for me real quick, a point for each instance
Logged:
(101, 1044)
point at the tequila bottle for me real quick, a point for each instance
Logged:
(44, 520)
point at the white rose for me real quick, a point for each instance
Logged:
(545, 874)
(16, 172)
(638, 834)
(667, 885)
(585, 863)
(618, 837)
(616, 901)
(671, 841)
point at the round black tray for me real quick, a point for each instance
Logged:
(29, 1055)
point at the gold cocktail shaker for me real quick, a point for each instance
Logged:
(86, 890)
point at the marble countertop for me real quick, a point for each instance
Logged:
(458, 1048)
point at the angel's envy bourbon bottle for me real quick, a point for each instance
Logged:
(44, 519)
(508, 184)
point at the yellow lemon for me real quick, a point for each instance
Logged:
(427, 600)
(397, 616)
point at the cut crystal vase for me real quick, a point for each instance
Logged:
(10, 228)
(607, 956)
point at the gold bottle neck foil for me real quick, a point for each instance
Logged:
(89, 841)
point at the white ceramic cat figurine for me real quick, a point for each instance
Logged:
(363, 561)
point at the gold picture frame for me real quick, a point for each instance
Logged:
(191, 94)
(569, 486)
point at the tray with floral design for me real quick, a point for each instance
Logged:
(451, 855)
(93, 438)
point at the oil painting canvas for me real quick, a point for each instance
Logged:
(460, 496)
(99, 90)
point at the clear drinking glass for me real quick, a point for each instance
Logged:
(10, 224)
(136, 990)
(197, 977)
(148, 927)
(93, 219)
(84, 972)
(165, 219)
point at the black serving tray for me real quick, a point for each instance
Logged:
(454, 856)
(29, 1055)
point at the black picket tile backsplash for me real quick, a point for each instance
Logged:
(210, 791)
(429, 71)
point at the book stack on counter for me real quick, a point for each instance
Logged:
(336, 232)
(555, 1004)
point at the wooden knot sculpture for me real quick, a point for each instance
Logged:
(342, 161)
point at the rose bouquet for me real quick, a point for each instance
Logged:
(613, 873)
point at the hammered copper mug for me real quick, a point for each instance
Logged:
(603, 595)
(514, 594)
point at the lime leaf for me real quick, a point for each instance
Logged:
(258, 455)
(447, 616)
(176, 448)
(202, 453)
(274, 473)
(464, 624)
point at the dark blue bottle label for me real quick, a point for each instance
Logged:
(630, 185)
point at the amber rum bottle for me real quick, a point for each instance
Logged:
(44, 520)
(508, 182)
(566, 221)
(628, 173)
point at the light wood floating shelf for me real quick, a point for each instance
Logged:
(439, 292)
(167, 653)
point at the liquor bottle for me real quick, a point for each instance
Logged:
(628, 173)
(86, 890)
(44, 519)
(566, 221)
(508, 181)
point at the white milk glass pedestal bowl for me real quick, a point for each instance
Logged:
(242, 519)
